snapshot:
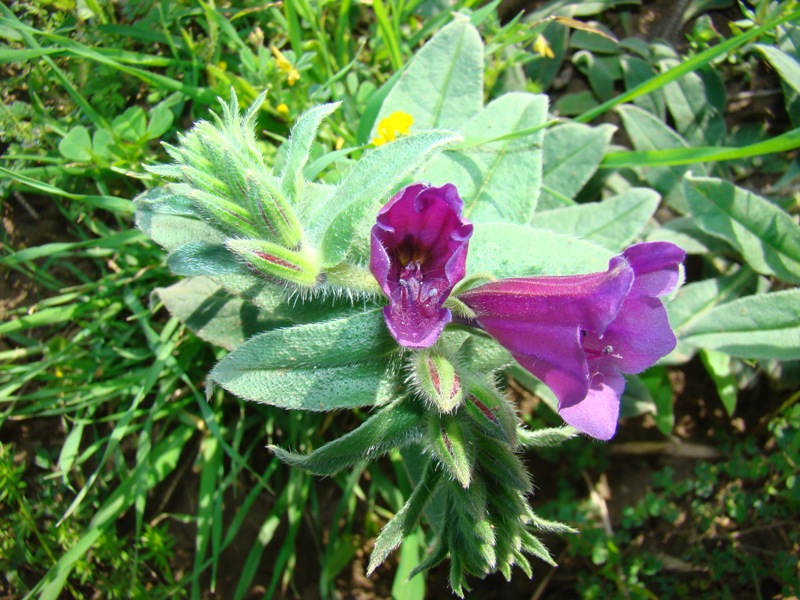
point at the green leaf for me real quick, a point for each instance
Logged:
(657, 382)
(511, 250)
(405, 586)
(696, 117)
(758, 327)
(394, 426)
(767, 238)
(369, 183)
(342, 363)
(442, 87)
(130, 126)
(614, 222)
(404, 522)
(202, 258)
(695, 300)
(498, 180)
(160, 121)
(298, 148)
(786, 66)
(636, 71)
(647, 132)
(572, 154)
(76, 145)
(718, 365)
(213, 314)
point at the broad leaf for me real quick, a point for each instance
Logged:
(170, 219)
(767, 238)
(342, 363)
(366, 186)
(511, 250)
(572, 154)
(647, 132)
(758, 327)
(394, 426)
(695, 300)
(614, 222)
(498, 181)
(443, 85)
(718, 365)
(215, 315)
(786, 66)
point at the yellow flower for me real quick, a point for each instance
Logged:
(292, 74)
(542, 47)
(397, 123)
(282, 108)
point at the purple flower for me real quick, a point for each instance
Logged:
(580, 333)
(418, 253)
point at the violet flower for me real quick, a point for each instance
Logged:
(580, 333)
(418, 253)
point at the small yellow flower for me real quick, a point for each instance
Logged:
(543, 47)
(397, 123)
(292, 74)
(282, 108)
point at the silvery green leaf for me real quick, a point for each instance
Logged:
(298, 147)
(394, 426)
(406, 518)
(213, 314)
(766, 236)
(694, 300)
(758, 327)
(647, 132)
(341, 363)
(512, 250)
(368, 184)
(572, 154)
(443, 85)
(613, 222)
(202, 258)
(497, 180)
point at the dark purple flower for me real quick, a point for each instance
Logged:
(418, 253)
(580, 333)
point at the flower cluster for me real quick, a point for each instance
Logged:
(579, 334)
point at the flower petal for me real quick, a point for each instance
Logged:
(597, 414)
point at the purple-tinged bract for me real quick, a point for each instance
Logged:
(418, 253)
(580, 333)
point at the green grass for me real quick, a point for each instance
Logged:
(102, 405)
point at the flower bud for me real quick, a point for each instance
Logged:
(276, 262)
(437, 380)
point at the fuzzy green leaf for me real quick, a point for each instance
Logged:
(342, 363)
(760, 327)
(498, 181)
(394, 426)
(443, 85)
(366, 186)
(298, 147)
(452, 447)
(572, 154)
(766, 236)
(613, 223)
(214, 315)
(647, 132)
(404, 522)
(511, 250)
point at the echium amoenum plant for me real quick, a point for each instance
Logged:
(409, 287)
